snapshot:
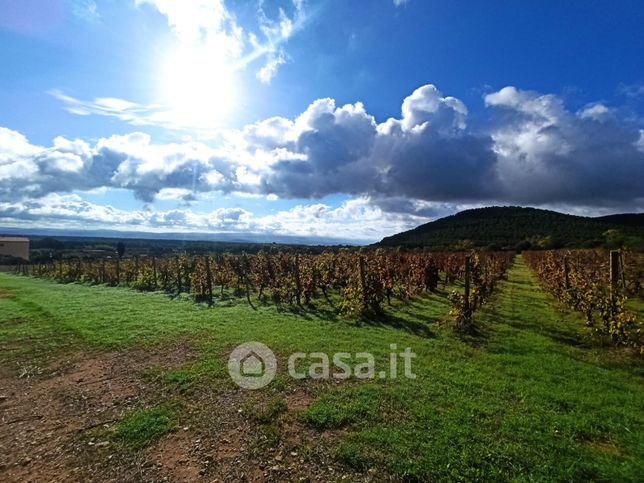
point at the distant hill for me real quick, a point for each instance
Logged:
(627, 219)
(517, 227)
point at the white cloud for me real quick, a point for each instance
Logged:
(130, 161)
(206, 32)
(549, 154)
(632, 90)
(639, 144)
(547, 107)
(209, 24)
(276, 32)
(268, 71)
(173, 194)
(86, 10)
(16, 157)
(355, 219)
(596, 112)
(427, 105)
(137, 114)
(196, 21)
(533, 151)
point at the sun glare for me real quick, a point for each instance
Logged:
(198, 86)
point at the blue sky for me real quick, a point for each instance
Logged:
(332, 118)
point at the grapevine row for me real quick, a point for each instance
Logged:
(582, 280)
(363, 280)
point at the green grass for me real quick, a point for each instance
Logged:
(142, 427)
(636, 306)
(335, 409)
(264, 412)
(531, 399)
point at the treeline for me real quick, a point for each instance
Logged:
(55, 248)
(523, 229)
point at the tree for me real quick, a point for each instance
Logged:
(613, 238)
(48, 242)
(120, 249)
(464, 245)
(523, 245)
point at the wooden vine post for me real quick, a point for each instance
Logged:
(178, 260)
(566, 273)
(614, 276)
(298, 283)
(154, 272)
(246, 273)
(622, 269)
(208, 280)
(468, 276)
(362, 279)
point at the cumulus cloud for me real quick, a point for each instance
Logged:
(356, 219)
(129, 161)
(534, 150)
(74, 211)
(596, 112)
(426, 105)
(16, 155)
(426, 154)
(546, 153)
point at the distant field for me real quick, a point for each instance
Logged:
(102, 382)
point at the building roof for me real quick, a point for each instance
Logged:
(14, 239)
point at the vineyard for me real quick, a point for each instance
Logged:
(598, 285)
(361, 281)
(117, 380)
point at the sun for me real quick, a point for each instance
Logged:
(197, 86)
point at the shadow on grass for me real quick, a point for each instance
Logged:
(417, 327)
(412, 322)
(310, 312)
(476, 336)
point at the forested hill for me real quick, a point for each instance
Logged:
(516, 227)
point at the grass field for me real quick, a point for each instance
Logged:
(530, 398)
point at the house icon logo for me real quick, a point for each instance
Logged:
(252, 365)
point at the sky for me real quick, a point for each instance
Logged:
(331, 119)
